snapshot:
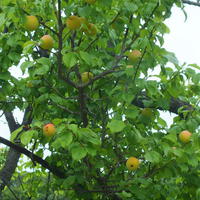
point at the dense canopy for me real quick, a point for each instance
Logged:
(92, 79)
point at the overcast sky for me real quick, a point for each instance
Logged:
(183, 40)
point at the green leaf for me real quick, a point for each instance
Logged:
(28, 47)
(131, 7)
(70, 59)
(198, 194)
(5, 76)
(153, 156)
(195, 66)
(41, 70)
(25, 65)
(69, 181)
(86, 57)
(27, 136)
(78, 151)
(171, 137)
(91, 150)
(2, 19)
(43, 61)
(171, 57)
(88, 135)
(63, 141)
(15, 133)
(132, 113)
(73, 128)
(116, 126)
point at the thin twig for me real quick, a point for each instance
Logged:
(64, 108)
(191, 3)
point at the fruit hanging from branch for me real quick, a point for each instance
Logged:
(134, 55)
(86, 76)
(31, 23)
(73, 22)
(47, 42)
(132, 163)
(49, 130)
(185, 136)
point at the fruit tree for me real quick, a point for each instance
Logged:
(92, 126)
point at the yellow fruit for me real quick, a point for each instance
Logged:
(47, 42)
(49, 130)
(134, 55)
(132, 163)
(147, 112)
(129, 66)
(83, 20)
(29, 84)
(90, 1)
(90, 30)
(86, 76)
(73, 22)
(185, 136)
(31, 23)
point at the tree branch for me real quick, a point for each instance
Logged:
(191, 3)
(174, 105)
(11, 121)
(83, 108)
(13, 156)
(33, 157)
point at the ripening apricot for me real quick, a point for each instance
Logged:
(91, 30)
(185, 136)
(31, 23)
(147, 112)
(132, 163)
(134, 55)
(86, 76)
(129, 66)
(73, 22)
(47, 42)
(49, 130)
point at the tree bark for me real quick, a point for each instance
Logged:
(13, 156)
(174, 105)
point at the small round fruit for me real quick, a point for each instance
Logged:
(147, 112)
(29, 84)
(134, 55)
(73, 22)
(86, 76)
(49, 130)
(129, 66)
(185, 136)
(90, 1)
(91, 30)
(132, 163)
(31, 23)
(47, 42)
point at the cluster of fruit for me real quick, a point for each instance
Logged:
(73, 23)
(133, 163)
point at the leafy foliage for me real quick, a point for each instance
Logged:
(97, 126)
